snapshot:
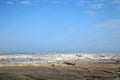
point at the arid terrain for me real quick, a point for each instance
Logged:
(61, 70)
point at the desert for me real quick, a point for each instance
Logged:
(73, 69)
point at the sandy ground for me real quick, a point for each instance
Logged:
(61, 70)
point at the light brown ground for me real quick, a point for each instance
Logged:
(82, 70)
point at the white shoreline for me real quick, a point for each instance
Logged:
(52, 57)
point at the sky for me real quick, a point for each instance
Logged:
(59, 25)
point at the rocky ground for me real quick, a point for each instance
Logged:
(63, 70)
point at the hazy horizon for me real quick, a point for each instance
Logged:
(59, 25)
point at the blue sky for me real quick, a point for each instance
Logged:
(59, 25)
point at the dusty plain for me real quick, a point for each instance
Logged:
(61, 70)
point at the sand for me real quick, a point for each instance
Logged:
(61, 70)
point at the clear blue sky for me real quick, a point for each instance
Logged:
(59, 25)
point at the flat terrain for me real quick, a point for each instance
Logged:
(63, 70)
